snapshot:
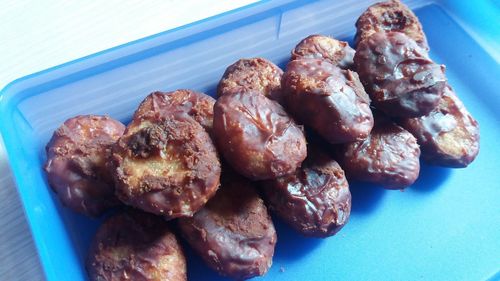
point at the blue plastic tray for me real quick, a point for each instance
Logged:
(445, 227)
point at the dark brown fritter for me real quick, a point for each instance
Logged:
(449, 135)
(256, 136)
(233, 233)
(166, 166)
(328, 99)
(77, 157)
(135, 246)
(315, 200)
(337, 52)
(390, 16)
(252, 75)
(389, 156)
(398, 75)
(197, 105)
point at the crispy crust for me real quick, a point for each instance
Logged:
(315, 200)
(77, 157)
(233, 233)
(390, 16)
(252, 75)
(161, 104)
(135, 246)
(166, 166)
(328, 99)
(389, 156)
(449, 135)
(337, 52)
(399, 76)
(256, 136)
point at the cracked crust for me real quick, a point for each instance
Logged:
(390, 16)
(389, 156)
(195, 104)
(315, 200)
(328, 99)
(400, 78)
(233, 233)
(77, 163)
(135, 246)
(323, 47)
(166, 166)
(256, 136)
(449, 135)
(252, 75)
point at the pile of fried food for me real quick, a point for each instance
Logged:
(191, 165)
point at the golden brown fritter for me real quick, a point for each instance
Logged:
(197, 105)
(77, 163)
(256, 75)
(256, 136)
(336, 52)
(449, 135)
(166, 166)
(328, 99)
(387, 16)
(315, 200)
(233, 233)
(389, 156)
(399, 76)
(135, 246)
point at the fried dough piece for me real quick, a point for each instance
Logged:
(252, 75)
(233, 233)
(449, 135)
(337, 52)
(390, 15)
(256, 136)
(328, 99)
(315, 200)
(166, 166)
(197, 105)
(399, 76)
(135, 246)
(389, 156)
(77, 157)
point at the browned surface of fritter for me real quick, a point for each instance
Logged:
(233, 233)
(252, 75)
(323, 47)
(389, 156)
(256, 136)
(390, 16)
(328, 99)
(162, 104)
(449, 135)
(77, 157)
(400, 78)
(135, 246)
(166, 166)
(315, 200)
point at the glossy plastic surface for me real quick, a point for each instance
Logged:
(445, 227)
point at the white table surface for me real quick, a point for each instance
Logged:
(36, 35)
